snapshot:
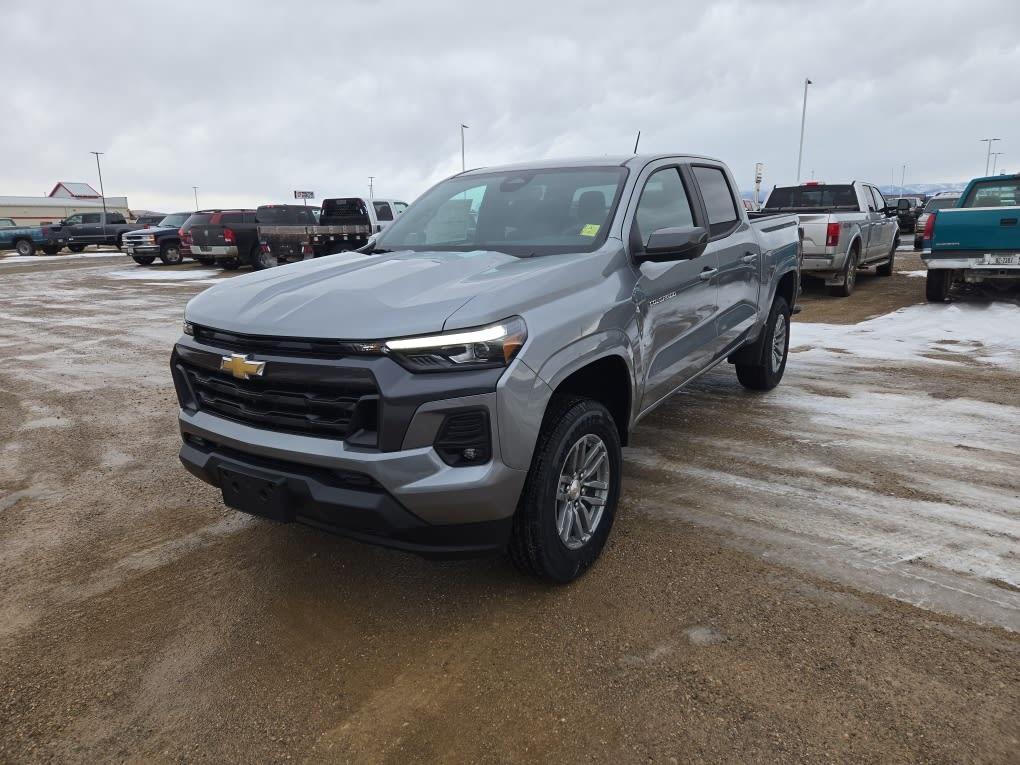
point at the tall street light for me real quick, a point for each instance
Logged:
(803, 116)
(102, 193)
(995, 159)
(903, 179)
(195, 189)
(988, 156)
(463, 165)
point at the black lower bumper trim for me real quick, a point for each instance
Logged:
(339, 502)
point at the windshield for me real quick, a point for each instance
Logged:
(941, 203)
(796, 197)
(283, 215)
(175, 220)
(519, 212)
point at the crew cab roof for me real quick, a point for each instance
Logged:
(622, 160)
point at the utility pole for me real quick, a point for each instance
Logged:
(803, 116)
(988, 156)
(637, 141)
(371, 188)
(903, 179)
(195, 189)
(102, 193)
(463, 164)
(995, 159)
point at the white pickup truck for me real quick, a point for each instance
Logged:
(845, 226)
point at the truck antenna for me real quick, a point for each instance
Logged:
(637, 141)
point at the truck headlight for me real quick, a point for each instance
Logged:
(494, 345)
(189, 328)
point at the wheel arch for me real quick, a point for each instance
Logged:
(607, 379)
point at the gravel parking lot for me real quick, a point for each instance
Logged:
(827, 571)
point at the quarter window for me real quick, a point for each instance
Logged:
(382, 211)
(663, 204)
(719, 204)
(90, 218)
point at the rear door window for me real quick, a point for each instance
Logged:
(232, 218)
(383, 211)
(718, 197)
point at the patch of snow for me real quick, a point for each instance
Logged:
(72, 256)
(145, 274)
(923, 273)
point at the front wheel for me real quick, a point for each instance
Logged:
(937, 284)
(170, 254)
(766, 372)
(569, 500)
(76, 247)
(143, 260)
(51, 250)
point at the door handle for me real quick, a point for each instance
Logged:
(707, 274)
(1007, 221)
(749, 258)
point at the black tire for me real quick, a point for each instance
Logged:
(886, 269)
(937, 285)
(170, 254)
(76, 247)
(918, 242)
(51, 250)
(767, 370)
(231, 265)
(206, 261)
(120, 241)
(143, 260)
(849, 275)
(261, 260)
(535, 544)
(24, 247)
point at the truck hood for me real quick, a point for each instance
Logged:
(353, 296)
(152, 230)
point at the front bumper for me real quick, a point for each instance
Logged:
(131, 249)
(337, 501)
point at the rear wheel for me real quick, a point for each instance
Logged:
(567, 508)
(231, 265)
(76, 247)
(170, 254)
(886, 269)
(206, 261)
(51, 250)
(120, 241)
(143, 260)
(937, 284)
(918, 242)
(767, 370)
(261, 260)
(846, 288)
(25, 247)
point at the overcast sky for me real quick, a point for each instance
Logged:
(250, 100)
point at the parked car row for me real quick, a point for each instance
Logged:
(265, 236)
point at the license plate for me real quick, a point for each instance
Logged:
(256, 494)
(1004, 260)
(201, 248)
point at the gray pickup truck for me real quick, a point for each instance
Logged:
(846, 227)
(464, 383)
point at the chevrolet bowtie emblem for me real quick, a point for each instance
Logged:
(241, 367)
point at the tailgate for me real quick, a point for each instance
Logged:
(984, 229)
(814, 227)
(207, 235)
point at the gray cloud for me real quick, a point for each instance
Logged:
(250, 100)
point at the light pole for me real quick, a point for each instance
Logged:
(102, 193)
(988, 156)
(463, 164)
(371, 189)
(995, 159)
(803, 116)
(903, 179)
(195, 189)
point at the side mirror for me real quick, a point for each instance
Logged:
(680, 243)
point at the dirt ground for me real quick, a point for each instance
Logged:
(808, 575)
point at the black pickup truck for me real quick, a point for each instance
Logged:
(226, 237)
(78, 231)
(285, 234)
(162, 240)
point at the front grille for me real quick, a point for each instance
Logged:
(333, 411)
(280, 346)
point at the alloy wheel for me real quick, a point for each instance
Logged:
(582, 491)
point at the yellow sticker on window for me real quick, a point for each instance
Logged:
(590, 229)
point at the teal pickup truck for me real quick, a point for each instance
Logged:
(23, 239)
(977, 241)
